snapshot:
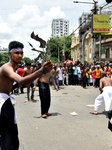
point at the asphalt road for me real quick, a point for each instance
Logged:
(63, 131)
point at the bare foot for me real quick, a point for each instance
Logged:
(48, 114)
(44, 116)
(15, 102)
(94, 112)
(29, 101)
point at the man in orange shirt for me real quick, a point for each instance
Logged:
(98, 75)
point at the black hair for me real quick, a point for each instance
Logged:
(15, 44)
(19, 65)
(104, 73)
(28, 63)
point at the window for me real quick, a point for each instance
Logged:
(107, 53)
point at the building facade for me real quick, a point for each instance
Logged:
(3, 50)
(60, 28)
(87, 48)
(106, 47)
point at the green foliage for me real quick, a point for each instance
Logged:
(85, 62)
(4, 57)
(0, 57)
(54, 59)
(27, 59)
(55, 42)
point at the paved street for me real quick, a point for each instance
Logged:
(62, 131)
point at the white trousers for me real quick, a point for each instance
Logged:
(65, 76)
(105, 96)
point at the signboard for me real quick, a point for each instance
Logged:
(101, 23)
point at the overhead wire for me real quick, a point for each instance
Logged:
(83, 22)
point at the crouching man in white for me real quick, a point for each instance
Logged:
(106, 94)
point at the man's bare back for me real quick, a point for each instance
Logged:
(106, 81)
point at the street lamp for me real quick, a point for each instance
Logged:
(83, 2)
(58, 50)
(100, 36)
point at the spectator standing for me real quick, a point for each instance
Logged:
(98, 75)
(26, 72)
(88, 76)
(70, 74)
(79, 74)
(20, 71)
(60, 74)
(83, 75)
(55, 74)
(93, 75)
(65, 74)
(108, 70)
(75, 74)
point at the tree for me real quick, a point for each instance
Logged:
(26, 59)
(0, 57)
(5, 57)
(53, 43)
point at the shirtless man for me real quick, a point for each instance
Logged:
(29, 70)
(65, 73)
(83, 75)
(44, 92)
(8, 122)
(106, 94)
(55, 74)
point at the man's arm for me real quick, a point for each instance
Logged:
(8, 71)
(57, 74)
(51, 75)
(74, 68)
(24, 73)
(35, 83)
(101, 85)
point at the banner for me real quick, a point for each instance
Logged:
(101, 23)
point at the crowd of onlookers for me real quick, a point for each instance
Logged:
(84, 75)
(67, 74)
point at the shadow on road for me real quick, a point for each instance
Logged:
(104, 113)
(53, 114)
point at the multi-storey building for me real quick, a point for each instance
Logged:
(3, 50)
(60, 28)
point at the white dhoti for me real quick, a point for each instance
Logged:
(3, 98)
(8, 123)
(105, 96)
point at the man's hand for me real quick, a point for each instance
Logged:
(56, 88)
(47, 66)
(34, 87)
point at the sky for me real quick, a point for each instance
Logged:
(18, 19)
